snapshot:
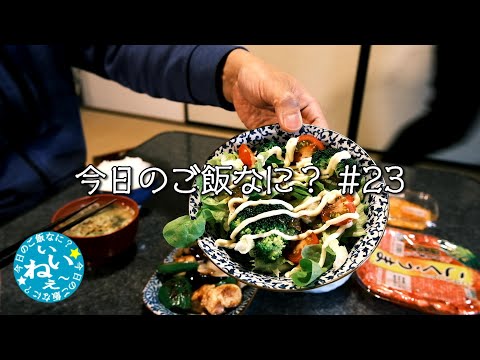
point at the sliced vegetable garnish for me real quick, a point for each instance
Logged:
(246, 155)
(343, 205)
(309, 272)
(176, 293)
(176, 267)
(227, 280)
(306, 146)
(296, 255)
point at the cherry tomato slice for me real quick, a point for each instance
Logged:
(304, 152)
(313, 140)
(296, 255)
(306, 146)
(343, 205)
(246, 155)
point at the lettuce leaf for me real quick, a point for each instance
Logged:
(357, 229)
(313, 252)
(274, 267)
(360, 191)
(215, 210)
(184, 231)
(217, 160)
(309, 271)
(310, 268)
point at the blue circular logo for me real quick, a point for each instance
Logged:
(48, 267)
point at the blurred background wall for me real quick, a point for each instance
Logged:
(398, 90)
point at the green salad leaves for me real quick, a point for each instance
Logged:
(274, 227)
(310, 265)
(184, 231)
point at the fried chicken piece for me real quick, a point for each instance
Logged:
(215, 299)
(185, 258)
(198, 296)
(181, 251)
(209, 268)
(221, 297)
(201, 292)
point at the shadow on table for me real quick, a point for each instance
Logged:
(117, 263)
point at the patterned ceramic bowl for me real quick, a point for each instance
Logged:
(150, 296)
(377, 212)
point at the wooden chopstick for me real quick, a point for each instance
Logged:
(8, 254)
(83, 217)
(63, 219)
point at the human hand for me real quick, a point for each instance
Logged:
(263, 95)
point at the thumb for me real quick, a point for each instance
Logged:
(288, 113)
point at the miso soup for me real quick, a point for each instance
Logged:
(108, 220)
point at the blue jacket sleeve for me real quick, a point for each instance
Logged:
(186, 73)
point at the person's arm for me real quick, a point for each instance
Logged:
(264, 95)
(186, 73)
(218, 75)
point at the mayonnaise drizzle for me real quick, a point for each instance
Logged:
(341, 254)
(238, 165)
(235, 200)
(264, 215)
(244, 245)
(304, 162)
(276, 150)
(310, 200)
(328, 197)
(255, 203)
(300, 176)
(301, 236)
(329, 239)
(332, 164)
(306, 208)
(356, 199)
(290, 150)
(229, 244)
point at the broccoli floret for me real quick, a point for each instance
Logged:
(350, 162)
(235, 223)
(279, 222)
(272, 160)
(269, 248)
(268, 145)
(321, 158)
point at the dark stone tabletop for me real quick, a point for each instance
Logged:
(117, 289)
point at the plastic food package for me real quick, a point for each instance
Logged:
(413, 210)
(423, 272)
